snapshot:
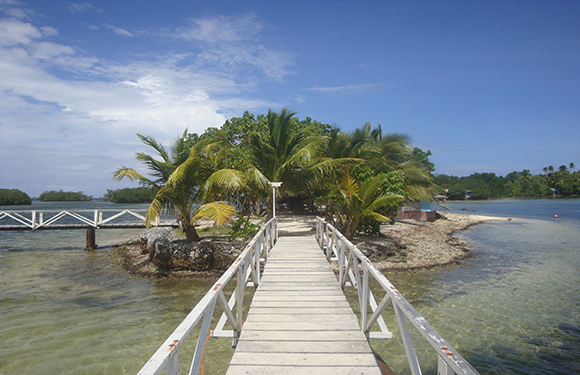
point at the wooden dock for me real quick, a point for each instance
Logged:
(299, 321)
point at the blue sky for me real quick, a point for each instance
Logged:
(487, 86)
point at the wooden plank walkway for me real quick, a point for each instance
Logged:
(299, 321)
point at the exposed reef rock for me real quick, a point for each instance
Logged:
(160, 252)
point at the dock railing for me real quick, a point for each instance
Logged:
(86, 218)
(351, 263)
(246, 265)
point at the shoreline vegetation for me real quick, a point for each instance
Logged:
(404, 246)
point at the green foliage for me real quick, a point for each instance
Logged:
(369, 227)
(514, 184)
(244, 229)
(364, 200)
(130, 195)
(14, 197)
(236, 163)
(64, 196)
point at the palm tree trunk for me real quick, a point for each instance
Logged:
(190, 233)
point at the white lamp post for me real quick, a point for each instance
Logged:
(274, 186)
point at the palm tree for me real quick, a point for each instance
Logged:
(392, 154)
(180, 176)
(361, 201)
(283, 155)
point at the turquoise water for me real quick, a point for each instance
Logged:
(512, 308)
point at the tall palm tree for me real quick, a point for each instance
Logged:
(283, 155)
(179, 175)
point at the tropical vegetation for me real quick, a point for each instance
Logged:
(130, 195)
(14, 197)
(178, 174)
(563, 181)
(64, 196)
(357, 177)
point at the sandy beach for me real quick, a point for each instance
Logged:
(431, 244)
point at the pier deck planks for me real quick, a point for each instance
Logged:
(299, 321)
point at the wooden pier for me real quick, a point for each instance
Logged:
(299, 321)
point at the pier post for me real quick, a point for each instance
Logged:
(91, 239)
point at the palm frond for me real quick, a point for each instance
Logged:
(218, 212)
(153, 143)
(132, 175)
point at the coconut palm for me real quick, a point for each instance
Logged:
(364, 200)
(284, 155)
(180, 176)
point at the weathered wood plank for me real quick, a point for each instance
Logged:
(319, 335)
(306, 359)
(295, 370)
(248, 346)
(299, 321)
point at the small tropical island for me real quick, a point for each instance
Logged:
(226, 177)
(63, 196)
(14, 197)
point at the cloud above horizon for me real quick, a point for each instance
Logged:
(77, 107)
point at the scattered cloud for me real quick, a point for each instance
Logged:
(118, 30)
(346, 89)
(60, 108)
(83, 8)
(233, 43)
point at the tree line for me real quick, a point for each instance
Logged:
(13, 197)
(360, 177)
(64, 196)
(563, 181)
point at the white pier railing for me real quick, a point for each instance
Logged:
(351, 262)
(247, 265)
(58, 219)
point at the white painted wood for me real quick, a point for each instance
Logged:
(296, 370)
(299, 321)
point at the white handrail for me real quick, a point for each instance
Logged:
(168, 356)
(40, 221)
(351, 261)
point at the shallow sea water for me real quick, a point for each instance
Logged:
(512, 308)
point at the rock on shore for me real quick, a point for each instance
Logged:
(406, 245)
(160, 252)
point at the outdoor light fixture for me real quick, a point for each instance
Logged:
(274, 186)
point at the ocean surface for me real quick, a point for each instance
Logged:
(512, 308)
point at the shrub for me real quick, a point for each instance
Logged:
(244, 229)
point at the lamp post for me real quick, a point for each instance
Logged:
(274, 186)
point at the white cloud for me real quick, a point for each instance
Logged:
(346, 89)
(235, 42)
(83, 8)
(118, 30)
(14, 32)
(67, 119)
